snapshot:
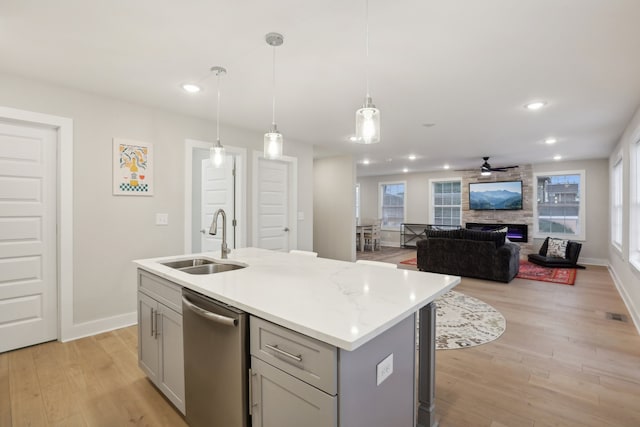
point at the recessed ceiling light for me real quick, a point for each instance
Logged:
(191, 88)
(412, 157)
(557, 157)
(550, 141)
(353, 138)
(366, 162)
(405, 170)
(428, 125)
(446, 166)
(535, 105)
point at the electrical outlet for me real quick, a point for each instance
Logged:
(162, 219)
(384, 369)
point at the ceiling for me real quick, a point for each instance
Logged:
(450, 77)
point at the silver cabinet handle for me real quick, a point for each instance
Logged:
(286, 229)
(157, 328)
(275, 348)
(228, 321)
(153, 329)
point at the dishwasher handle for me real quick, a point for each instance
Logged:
(228, 321)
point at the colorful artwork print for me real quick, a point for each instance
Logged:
(132, 174)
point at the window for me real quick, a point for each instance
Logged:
(559, 207)
(357, 201)
(446, 202)
(616, 204)
(392, 204)
(634, 215)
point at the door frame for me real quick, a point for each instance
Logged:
(292, 164)
(241, 187)
(64, 208)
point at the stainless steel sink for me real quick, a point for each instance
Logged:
(193, 262)
(211, 268)
(202, 266)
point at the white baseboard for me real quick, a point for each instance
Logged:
(633, 310)
(594, 261)
(94, 327)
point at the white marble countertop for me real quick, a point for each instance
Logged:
(341, 303)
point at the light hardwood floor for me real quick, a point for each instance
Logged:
(559, 363)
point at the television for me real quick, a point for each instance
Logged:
(504, 195)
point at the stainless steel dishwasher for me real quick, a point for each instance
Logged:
(215, 362)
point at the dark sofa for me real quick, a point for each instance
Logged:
(470, 253)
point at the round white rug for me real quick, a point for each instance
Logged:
(463, 321)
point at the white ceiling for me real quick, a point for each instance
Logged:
(468, 66)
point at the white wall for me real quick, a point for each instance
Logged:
(419, 204)
(334, 227)
(111, 231)
(626, 276)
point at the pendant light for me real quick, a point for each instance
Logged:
(273, 139)
(367, 117)
(217, 152)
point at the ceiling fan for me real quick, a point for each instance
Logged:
(486, 168)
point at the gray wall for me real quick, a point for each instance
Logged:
(419, 202)
(626, 276)
(111, 231)
(334, 208)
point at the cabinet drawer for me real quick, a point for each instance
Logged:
(279, 399)
(161, 290)
(308, 359)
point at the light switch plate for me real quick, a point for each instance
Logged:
(162, 219)
(384, 369)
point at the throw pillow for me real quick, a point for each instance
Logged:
(557, 248)
(485, 236)
(443, 234)
(504, 230)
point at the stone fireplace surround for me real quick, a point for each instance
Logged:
(523, 217)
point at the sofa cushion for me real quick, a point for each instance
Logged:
(557, 248)
(444, 234)
(498, 238)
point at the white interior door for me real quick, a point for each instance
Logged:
(28, 272)
(217, 193)
(273, 225)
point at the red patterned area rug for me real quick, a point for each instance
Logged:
(530, 271)
(410, 261)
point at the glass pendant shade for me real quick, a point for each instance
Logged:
(368, 124)
(273, 144)
(217, 154)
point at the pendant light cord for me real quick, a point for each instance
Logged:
(273, 110)
(218, 111)
(366, 30)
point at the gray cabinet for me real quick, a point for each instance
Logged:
(297, 380)
(160, 342)
(293, 378)
(282, 400)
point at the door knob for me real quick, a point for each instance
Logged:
(286, 229)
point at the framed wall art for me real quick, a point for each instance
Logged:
(132, 168)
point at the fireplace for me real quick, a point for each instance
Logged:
(515, 232)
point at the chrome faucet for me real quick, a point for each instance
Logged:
(224, 250)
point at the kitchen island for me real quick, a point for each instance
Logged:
(348, 306)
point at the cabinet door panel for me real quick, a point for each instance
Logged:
(171, 356)
(284, 401)
(147, 343)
